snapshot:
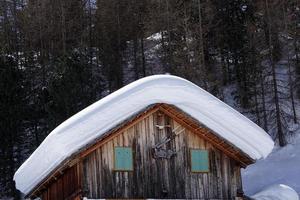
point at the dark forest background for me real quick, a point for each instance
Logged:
(59, 56)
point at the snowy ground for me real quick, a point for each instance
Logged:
(277, 192)
(282, 166)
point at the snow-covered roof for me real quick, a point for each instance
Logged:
(95, 120)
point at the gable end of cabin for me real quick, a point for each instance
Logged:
(133, 160)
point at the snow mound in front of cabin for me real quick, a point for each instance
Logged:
(282, 166)
(90, 123)
(277, 192)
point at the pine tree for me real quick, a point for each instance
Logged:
(11, 120)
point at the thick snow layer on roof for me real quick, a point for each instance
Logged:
(95, 120)
(277, 192)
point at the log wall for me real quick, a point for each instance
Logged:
(67, 186)
(159, 178)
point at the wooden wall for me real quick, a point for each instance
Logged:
(65, 187)
(159, 178)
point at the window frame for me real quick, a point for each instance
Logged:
(208, 159)
(114, 159)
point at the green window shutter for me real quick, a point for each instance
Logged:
(123, 159)
(199, 160)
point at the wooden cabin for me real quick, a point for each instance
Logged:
(160, 152)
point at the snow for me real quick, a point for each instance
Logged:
(90, 123)
(244, 8)
(282, 166)
(277, 192)
(155, 36)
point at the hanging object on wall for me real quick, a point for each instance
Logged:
(159, 151)
(160, 127)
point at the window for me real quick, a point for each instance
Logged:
(123, 160)
(199, 160)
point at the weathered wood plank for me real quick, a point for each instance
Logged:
(64, 186)
(159, 178)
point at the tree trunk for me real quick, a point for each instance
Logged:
(202, 67)
(263, 95)
(291, 85)
(135, 62)
(143, 55)
(280, 134)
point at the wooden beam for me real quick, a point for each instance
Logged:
(207, 135)
(120, 130)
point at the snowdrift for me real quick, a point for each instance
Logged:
(95, 120)
(277, 192)
(280, 167)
